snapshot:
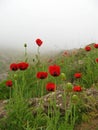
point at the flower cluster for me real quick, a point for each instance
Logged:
(88, 48)
(54, 70)
(21, 66)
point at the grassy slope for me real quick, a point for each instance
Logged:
(6, 58)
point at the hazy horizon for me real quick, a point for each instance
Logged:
(60, 24)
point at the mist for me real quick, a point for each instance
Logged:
(60, 24)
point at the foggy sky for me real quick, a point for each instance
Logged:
(61, 24)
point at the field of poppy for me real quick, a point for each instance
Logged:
(72, 74)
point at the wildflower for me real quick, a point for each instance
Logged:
(50, 86)
(87, 48)
(54, 70)
(77, 75)
(39, 42)
(14, 66)
(42, 75)
(77, 89)
(23, 65)
(97, 60)
(96, 45)
(9, 83)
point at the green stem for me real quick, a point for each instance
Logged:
(25, 54)
(38, 55)
(10, 92)
(74, 114)
(42, 89)
(15, 89)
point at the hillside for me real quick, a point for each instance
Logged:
(73, 78)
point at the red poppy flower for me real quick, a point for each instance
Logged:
(87, 48)
(50, 87)
(77, 75)
(96, 45)
(54, 70)
(9, 83)
(42, 75)
(23, 65)
(77, 89)
(97, 60)
(14, 66)
(39, 42)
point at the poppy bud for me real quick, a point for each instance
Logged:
(68, 87)
(75, 99)
(63, 77)
(25, 45)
